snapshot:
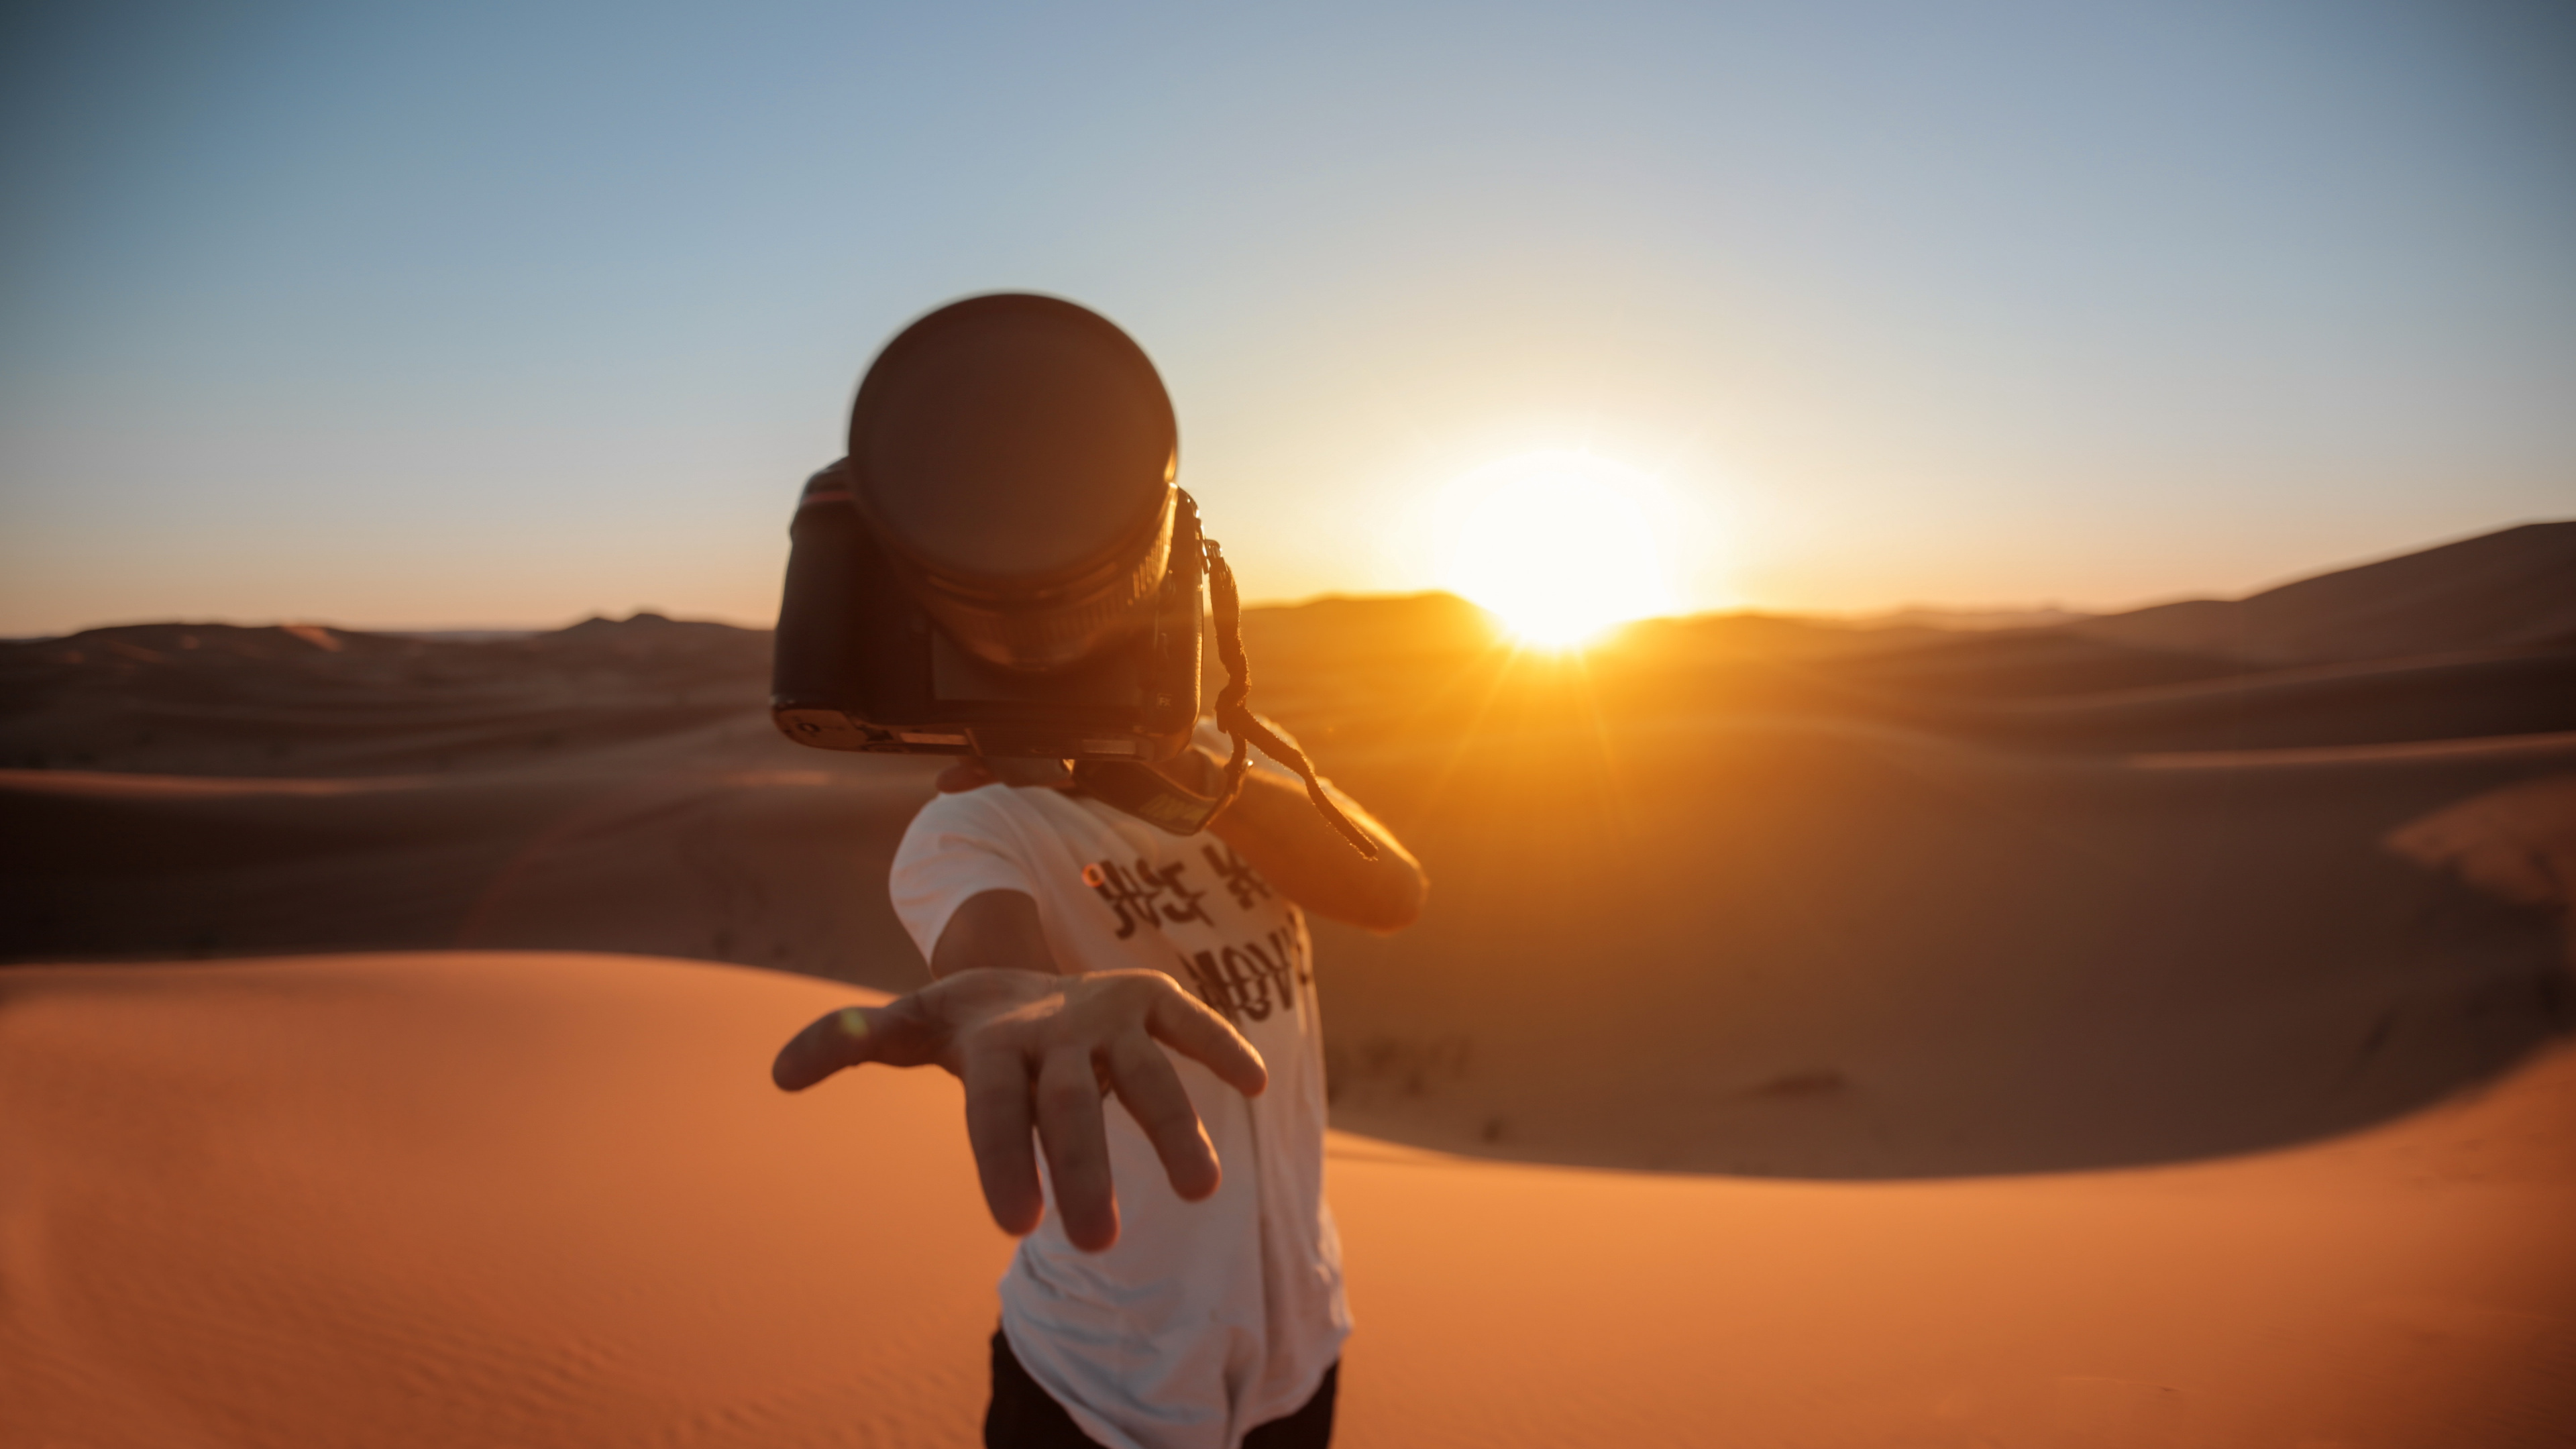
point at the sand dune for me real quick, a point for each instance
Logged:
(212, 699)
(763, 866)
(2425, 698)
(1751, 948)
(2514, 844)
(2501, 589)
(1763, 949)
(1779, 898)
(532, 1199)
(2051, 1037)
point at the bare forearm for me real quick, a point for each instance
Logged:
(1278, 832)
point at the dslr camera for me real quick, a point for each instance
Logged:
(992, 568)
(1002, 566)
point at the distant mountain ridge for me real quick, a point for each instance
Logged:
(2475, 638)
(1969, 621)
(2512, 589)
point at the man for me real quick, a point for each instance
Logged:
(1067, 940)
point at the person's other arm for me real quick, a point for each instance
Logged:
(1279, 832)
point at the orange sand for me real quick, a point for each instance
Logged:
(550, 1199)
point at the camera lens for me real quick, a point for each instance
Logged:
(1015, 455)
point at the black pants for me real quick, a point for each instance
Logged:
(1026, 1416)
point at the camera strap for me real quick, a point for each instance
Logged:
(1154, 798)
(1233, 713)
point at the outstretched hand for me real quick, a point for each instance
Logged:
(1040, 1052)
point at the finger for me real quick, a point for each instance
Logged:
(1144, 1080)
(965, 775)
(997, 1128)
(1186, 1025)
(1077, 1148)
(826, 1045)
(900, 1033)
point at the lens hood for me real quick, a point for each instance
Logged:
(1014, 456)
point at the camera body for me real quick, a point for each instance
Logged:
(1001, 566)
(861, 665)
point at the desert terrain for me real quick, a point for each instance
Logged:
(2134, 1030)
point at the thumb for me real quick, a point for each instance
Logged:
(895, 1034)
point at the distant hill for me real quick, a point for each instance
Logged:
(1371, 624)
(307, 699)
(2467, 640)
(2512, 589)
(1970, 620)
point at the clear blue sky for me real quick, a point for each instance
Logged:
(461, 314)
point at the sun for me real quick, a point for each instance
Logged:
(1560, 546)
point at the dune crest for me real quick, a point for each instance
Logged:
(2505, 589)
(2517, 843)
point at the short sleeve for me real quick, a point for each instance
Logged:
(957, 848)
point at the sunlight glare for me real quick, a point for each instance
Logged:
(1560, 546)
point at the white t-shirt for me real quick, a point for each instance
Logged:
(1205, 1319)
